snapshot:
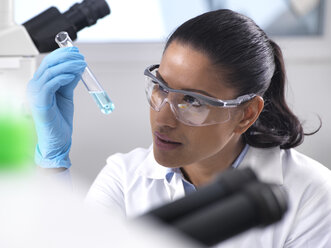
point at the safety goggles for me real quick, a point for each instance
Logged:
(189, 107)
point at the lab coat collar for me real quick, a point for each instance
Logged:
(150, 168)
(266, 163)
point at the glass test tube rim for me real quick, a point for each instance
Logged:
(97, 92)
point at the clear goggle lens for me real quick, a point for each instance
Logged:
(187, 109)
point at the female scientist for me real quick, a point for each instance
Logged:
(217, 101)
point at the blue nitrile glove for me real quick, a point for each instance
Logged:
(50, 94)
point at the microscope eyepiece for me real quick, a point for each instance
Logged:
(43, 27)
(87, 13)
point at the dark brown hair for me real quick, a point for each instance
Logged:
(254, 64)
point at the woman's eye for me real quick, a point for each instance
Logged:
(192, 101)
(159, 87)
(162, 89)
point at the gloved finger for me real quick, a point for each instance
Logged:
(64, 100)
(58, 56)
(75, 67)
(67, 91)
(46, 98)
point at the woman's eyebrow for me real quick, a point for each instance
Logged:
(158, 75)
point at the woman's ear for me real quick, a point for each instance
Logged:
(250, 114)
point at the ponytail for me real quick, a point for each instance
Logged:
(276, 125)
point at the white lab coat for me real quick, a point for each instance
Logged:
(135, 183)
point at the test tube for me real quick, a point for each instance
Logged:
(92, 85)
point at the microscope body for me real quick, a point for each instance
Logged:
(17, 59)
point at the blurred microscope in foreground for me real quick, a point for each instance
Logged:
(236, 202)
(19, 48)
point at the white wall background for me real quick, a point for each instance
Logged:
(119, 68)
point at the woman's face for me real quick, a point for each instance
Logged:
(182, 67)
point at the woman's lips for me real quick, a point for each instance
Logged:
(165, 143)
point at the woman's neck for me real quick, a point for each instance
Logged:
(203, 172)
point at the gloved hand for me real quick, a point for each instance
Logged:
(50, 95)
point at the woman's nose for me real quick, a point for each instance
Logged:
(165, 116)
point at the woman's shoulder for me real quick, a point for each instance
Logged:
(136, 155)
(129, 161)
(304, 167)
(271, 162)
(308, 186)
(307, 181)
(287, 167)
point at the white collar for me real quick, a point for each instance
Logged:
(266, 163)
(150, 168)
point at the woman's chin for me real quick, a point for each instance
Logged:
(166, 159)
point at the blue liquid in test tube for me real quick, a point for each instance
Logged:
(94, 88)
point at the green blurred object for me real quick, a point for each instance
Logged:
(17, 142)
